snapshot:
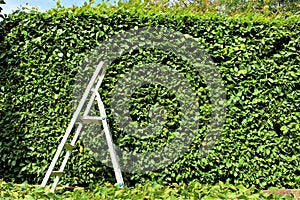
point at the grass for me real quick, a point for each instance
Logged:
(149, 190)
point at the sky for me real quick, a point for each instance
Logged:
(43, 5)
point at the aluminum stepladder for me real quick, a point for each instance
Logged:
(85, 119)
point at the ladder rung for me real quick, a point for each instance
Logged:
(57, 173)
(91, 119)
(69, 147)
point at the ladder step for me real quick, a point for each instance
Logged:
(69, 147)
(91, 119)
(57, 173)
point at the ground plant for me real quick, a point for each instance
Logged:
(151, 190)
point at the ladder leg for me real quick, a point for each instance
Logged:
(66, 158)
(113, 155)
(62, 167)
(52, 165)
(109, 140)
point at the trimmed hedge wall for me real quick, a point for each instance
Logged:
(258, 58)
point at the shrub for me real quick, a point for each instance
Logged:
(258, 59)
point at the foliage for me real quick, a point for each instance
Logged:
(258, 59)
(151, 190)
(233, 7)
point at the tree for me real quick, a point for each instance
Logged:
(237, 6)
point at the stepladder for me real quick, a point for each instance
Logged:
(80, 119)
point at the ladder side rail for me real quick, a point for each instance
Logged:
(109, 140)
(89, 105)
(66, 158)
(72, 123)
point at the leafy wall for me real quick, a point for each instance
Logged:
(258, 59)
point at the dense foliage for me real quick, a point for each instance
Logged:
(234, 7)
(149, 191)
(258, 58)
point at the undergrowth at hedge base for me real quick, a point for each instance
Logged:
(150, 190)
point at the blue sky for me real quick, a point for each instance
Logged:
(12, 5)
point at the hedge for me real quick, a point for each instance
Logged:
(257, 57)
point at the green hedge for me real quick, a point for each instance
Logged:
(258, 59)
